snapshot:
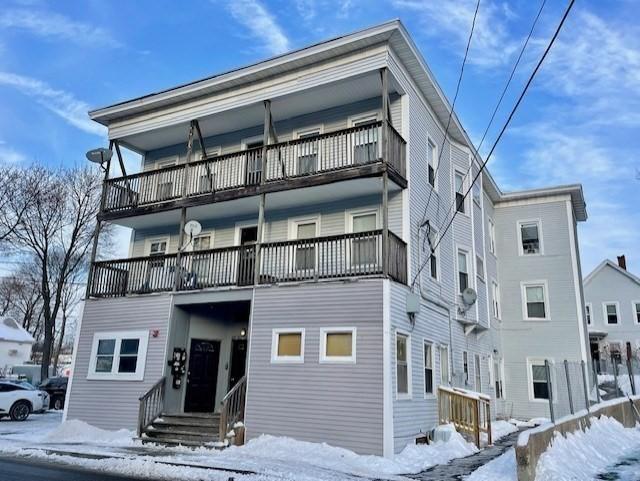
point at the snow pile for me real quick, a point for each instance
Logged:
(503, 468)
(413, 459)
(531, 423)
(624, 382)
(584, 454)
(500, 429)
(75, 431)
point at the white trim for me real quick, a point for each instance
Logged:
(537, 361)
(435, 160)
(319, 129)
(349, 214)
(408, 394)
(210, 233)
(548, 199)
(605, 318)
(466, 204)
(448, 348)
(432, 394)
(373, 115)
(323, 358)
(249, 346)
(477, 371)
(211, 152)
(74, 362)
(589, 318)
(492, 235)
(547, 308)
(481, 275)
(242, 224)
(635, 311)
(538, 222)
(118, 336)
(275, 338)
(387, 402)
(307, 219)
(151, 240)
(465, 365)
(495, 300)
(470, 268)
(250, 140)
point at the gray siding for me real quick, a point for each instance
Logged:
(340, 404)
(114, 404)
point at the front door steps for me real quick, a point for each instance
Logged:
(187, 429)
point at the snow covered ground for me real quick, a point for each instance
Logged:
(271, 457)
(624, 382)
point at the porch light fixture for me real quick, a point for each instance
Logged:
(243, 332)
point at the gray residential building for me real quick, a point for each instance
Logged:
(319, 292)
(612, 305)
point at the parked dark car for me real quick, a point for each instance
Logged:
(57, 389)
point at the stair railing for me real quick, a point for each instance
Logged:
(151, 405)
(232, 410)
(469, 412)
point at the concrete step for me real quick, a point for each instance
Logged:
(202, 437)
(162, 424)
(189, 420)
(174, 441)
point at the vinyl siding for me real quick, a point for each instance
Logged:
(87, 397)
(340, 404)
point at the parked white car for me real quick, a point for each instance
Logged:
(18, 399)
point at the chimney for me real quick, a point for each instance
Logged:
(622, 262)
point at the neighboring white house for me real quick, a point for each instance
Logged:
(612, 307)
(15, 344)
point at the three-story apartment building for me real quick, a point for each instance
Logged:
(310, 303)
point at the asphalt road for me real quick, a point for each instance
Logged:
(27, 470)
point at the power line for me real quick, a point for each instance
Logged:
(453, 104)
(495, 110)
(513, 111)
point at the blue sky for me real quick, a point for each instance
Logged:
(578, 124)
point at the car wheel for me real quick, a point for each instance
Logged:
(58, 403)
(20, 411)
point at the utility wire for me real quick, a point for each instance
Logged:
(513, 111)
(495, 110)
(453, 104)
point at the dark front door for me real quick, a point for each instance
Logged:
(595, 355)
(247, 257)
(238, 361)
(202, 376)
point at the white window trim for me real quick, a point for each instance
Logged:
(275, 337)
(481, 275)
(166, 162)
(495, 299)
(351, 213)
(196, 153)
(478, 371)
(204, 233)
(588, 318)
(605, 318)
(435, 160)
(151, 240)
(530, 362)
(307, 219)
(242, 224)
(372, 115)
(634, 311)
(408, 394)
(114, 375)
(492, 236)
(447, 347)
(465, 357)
(307, 130)
(324, 359)
(465, 186)
(427, 395)
(538, 221)
(470, 269)
(250, 140)
(547, 306)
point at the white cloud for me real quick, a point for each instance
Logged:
(261, 24)
(9, 155)
(62, 103)
(491, 45)
(306, 9)
(54, 25)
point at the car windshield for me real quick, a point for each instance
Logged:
(25, 385)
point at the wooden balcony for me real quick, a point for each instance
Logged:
(339, 256)
(322, 159)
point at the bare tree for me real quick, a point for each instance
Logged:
(70, 298)
(56, 228)
(17, 189)
(20, 299)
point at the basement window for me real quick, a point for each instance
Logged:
(118, 356)
(338, 344)
(287, 346)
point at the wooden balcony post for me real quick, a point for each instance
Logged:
(178, 268)
(265, 142)
(385, 175)
(185, 175)
(385, 114)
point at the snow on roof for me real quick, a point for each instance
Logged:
(11, 331)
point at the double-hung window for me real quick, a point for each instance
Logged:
(480, 267)
(530, 235)
(611, 312)
(463, 271)
(465, 366)
(495, 298)
(636, 311)
(157, 274)
(539, 385)
(497, 378)
(305, 253)
(403, 374)
(307, 150)
(492, 236)
(535, 301)
(201, 262)
(431, 161)
(428, 368)
(444, 364)
(118, 355)
(364, 247)
(587, 311)
(478, 379)
(365, 140)
(459, 186)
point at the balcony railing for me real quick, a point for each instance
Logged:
(345, 255)
(302, 157)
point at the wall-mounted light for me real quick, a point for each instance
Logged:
(243, 332)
